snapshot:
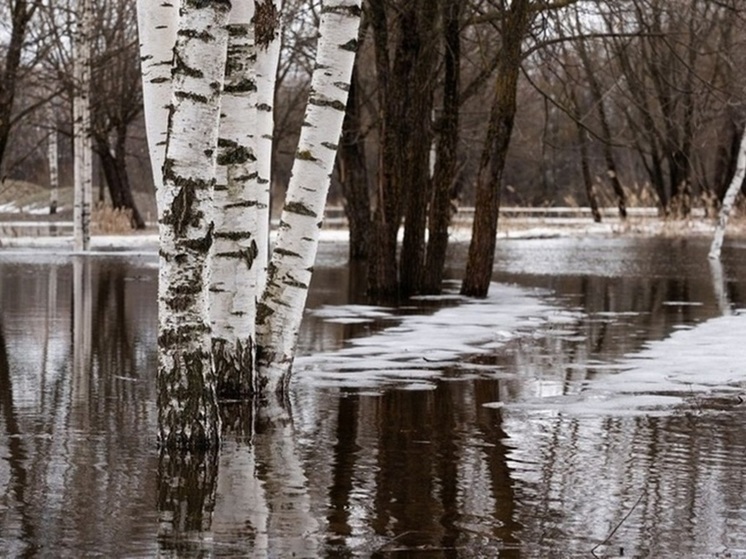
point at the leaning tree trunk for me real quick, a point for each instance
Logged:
(234, 263)
(729, 200)
(267, 38)
(280, 310)
(82, 129)
(156, 26)
(187, 403)
(481, 256)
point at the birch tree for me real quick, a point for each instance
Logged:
(729, 200)
(267, 37)
(236, 245)
(156, 26)
(83, 170)
(53, 157)
(187, 402)
(193, 232)
(280, 309)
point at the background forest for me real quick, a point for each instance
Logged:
(616, 103)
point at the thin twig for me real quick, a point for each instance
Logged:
(392, 540)
(619, 525)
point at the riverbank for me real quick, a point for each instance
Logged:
(33, 231)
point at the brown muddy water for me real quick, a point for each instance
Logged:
(434, 461)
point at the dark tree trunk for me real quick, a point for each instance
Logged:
(489, 181)
(727, 159)
(117, 179)
(21, 13)
(611, 168)
(578, 108)
(353, 174)
(415, 171)
(383, 281)
(447, 143)
(585, 167)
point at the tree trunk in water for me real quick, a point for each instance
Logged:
(234, 276)
(420, 40)
(383, 280)
(157, 23)
(267, 37)
(729, 200)
(280, 310)
(187, 404)
(83, 169)
(447, 145)
(353, 175)
(481, 256)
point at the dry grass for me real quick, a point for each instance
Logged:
(110, 221)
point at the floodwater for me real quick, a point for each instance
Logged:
(423, 454)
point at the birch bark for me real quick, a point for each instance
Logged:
(234, 267)
(267, 25)
(280, 310)
(156, 26)
(82, 166)
(729, 200)
(54, 174)
(187, 403)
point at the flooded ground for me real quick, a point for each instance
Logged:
(590, 406)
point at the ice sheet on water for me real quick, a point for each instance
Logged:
(707, 359)
(420, 346)
(351, 314)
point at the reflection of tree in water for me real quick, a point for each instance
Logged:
(186, 499)
(442, 482)
(344, 457)
(17, 455)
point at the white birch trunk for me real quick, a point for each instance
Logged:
(156, 25)
(268, 31)
(729, 200)
(187, 403)
(234, 271)
(54, 173)
(82, 167)
(280, 311)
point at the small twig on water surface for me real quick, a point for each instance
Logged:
(619, 525)
(392, 540)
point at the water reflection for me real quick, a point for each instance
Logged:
(351, 472)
